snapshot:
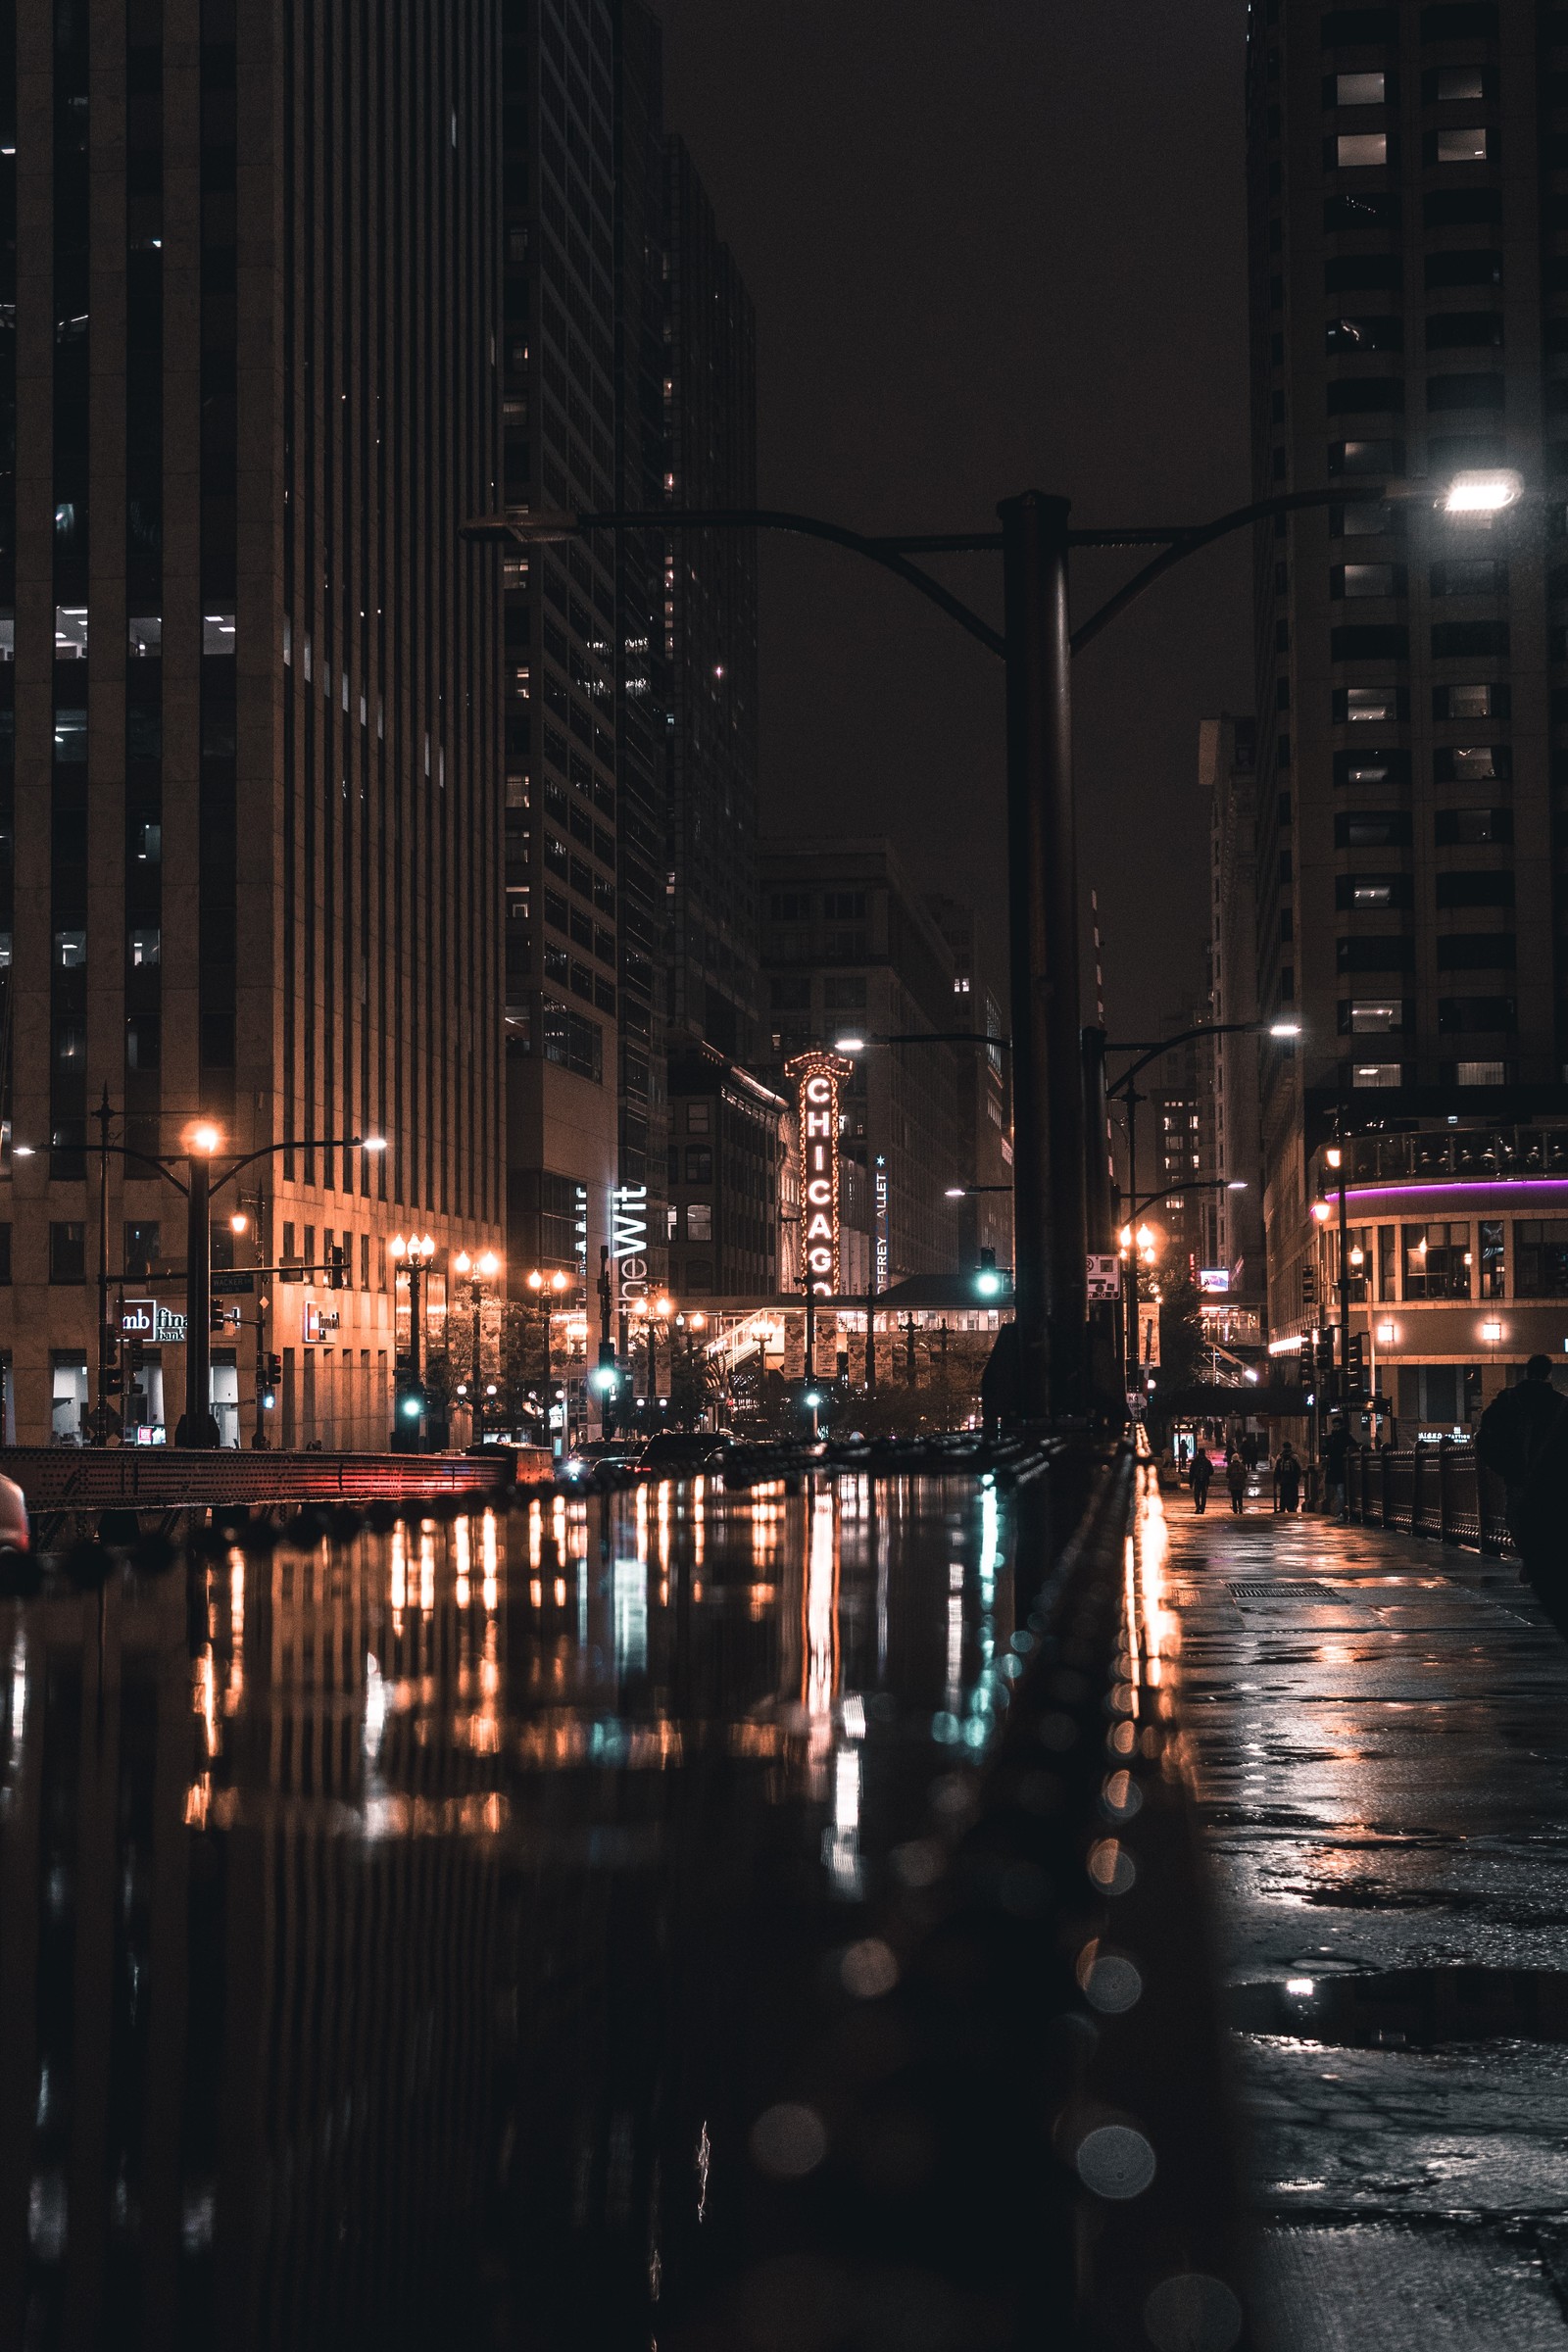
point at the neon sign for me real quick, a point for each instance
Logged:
(819, 1078)
(629, 1228)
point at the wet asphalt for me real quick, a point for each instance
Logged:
(1379, 1739)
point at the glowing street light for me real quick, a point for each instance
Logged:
(849, 1044)
(1484, 491)
(1285, 1028)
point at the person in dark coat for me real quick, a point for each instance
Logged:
(1201, 1473)
(1287, 1480)
(1336, 1448)
(1520, 1440)
(1236, 1481)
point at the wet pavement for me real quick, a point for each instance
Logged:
(404, 1942)
(1379, 1735)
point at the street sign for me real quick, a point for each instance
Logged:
(233, 1285)
(1105, 1278)
(156, 1326)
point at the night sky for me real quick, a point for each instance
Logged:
(993, 246)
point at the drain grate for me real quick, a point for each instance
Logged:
(1283, 1592)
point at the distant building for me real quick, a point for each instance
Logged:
(709, 671)
(583, 361)
(726, 1158)
(1177, 1101)
(850, 950)
(1227, 777)
(985, 1083)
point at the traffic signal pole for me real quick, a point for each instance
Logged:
(198, 1304)
(1051, 1279)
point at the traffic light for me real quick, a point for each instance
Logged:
(337, 1267)
(1328, 1382)
(606, 1374)
(987, 1283)
(1356, 1387)
(217, 1315)
(272, 1370)
(113, 1380)
(408, 1413)
(135, 1362)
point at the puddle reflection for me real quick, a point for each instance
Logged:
(399, 1939)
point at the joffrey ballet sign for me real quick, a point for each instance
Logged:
(820, 1080)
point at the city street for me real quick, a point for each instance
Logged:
(1379, 1731)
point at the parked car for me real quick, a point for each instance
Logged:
(682, 1453)
(14, 1533)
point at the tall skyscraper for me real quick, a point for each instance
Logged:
(849, 946)
(985, 1084)
(709, 633)
(1226, 776)
(1409, 288)
(580, 176)
(249, 767)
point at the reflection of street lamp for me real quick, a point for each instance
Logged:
(480, 1269)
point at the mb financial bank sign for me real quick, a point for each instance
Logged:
(820, 1080)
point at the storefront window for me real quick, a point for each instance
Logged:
(1541, 1258)
(1437, 1261)
(1492, 1261)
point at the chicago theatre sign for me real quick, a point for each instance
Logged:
(820, 1080)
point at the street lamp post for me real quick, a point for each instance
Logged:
(412, 1253)
(1037, 645)
(481, 1269)
(540, 1283)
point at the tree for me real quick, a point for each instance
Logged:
(1182, 1345)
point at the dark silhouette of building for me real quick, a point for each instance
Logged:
(985, 1084)
(850, 948)
(727, 1153)
(582, 427)
(709, 632)
(249, 766)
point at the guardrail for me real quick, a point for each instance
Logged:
(1441, 1490)
(69, 1478)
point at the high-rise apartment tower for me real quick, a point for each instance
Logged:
(1408, 172)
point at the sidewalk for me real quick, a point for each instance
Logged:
(1380, 1733)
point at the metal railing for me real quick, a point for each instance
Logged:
(69, 1478)
(1440, 1490)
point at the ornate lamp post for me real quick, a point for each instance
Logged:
(479, 1270)
(411, 1254)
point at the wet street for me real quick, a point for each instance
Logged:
(1379, 1737)
(404, 1942)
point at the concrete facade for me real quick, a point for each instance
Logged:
(252, 773)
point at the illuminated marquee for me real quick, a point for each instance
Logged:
(819, 1078)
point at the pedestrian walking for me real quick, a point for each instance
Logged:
(1335, 1449)
(1236, 1481)
(1287, 1480)
(1201, 1472)
(1518, 1440)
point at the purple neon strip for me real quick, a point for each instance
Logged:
(1448, 1187)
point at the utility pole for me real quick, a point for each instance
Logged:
(198, 1301)
(103, 1115)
